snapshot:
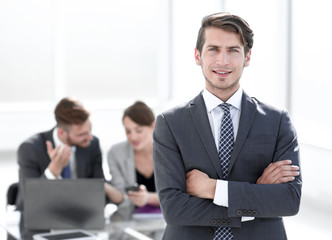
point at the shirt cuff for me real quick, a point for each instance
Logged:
(221, 197)
(49, 175)
(245, 219)
(221, 193)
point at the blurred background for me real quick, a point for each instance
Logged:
(109, 54)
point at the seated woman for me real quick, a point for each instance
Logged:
(131, 162)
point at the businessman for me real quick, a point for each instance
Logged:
(69, 150)
(226, 164)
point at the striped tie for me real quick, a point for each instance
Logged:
(226, 143)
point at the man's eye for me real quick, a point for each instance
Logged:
(234, 50)
(212, 49)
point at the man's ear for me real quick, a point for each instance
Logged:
(248, 57)
(61, 133)
(197, 57)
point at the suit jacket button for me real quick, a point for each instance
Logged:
(244, 212)
(249, 212)
(228, 222)
(239, 212)
(254, 212)
(214, 222)
(210, 232)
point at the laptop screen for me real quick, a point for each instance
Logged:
(64, 204)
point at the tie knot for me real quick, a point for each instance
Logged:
(225, 107)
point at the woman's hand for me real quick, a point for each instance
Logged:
(140, 197)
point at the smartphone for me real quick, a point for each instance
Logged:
(132, 188)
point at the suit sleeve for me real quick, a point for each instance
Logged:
(270, 200)
(32, 160)
(178, 207)
(118, 179)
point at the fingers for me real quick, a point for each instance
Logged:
(279, 172)
(286, 174)
(139, 198)
(51, 152)
(142, 187)
(59, 156)
(285, 171)
(49, 146)
(273, 166)
(192, 173)
(285, 179)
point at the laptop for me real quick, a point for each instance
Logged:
(64, 204)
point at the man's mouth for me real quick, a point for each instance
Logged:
(223, 73)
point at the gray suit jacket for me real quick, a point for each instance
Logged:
(183, 141)
(121, 163)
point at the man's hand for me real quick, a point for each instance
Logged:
(59, 157)
(279, 172)
(199, 184)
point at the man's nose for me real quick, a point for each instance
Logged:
(223, 58)
(89, 137)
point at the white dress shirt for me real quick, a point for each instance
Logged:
(215, 115)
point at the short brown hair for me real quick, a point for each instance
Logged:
(227, 22)
(140, 113)
(70, 112)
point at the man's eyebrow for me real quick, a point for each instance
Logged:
(211, 45)
(236, 46)
(229, 47)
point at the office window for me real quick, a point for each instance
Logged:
(26, 64)
(312, 81)
(93, 50)
(113, 53)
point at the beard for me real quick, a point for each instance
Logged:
(82, 144)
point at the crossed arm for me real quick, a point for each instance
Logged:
(199, 184)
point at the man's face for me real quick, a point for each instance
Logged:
(79, 135)
(222, 60)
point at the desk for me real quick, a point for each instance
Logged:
(141, 229)
(129, 230)
(4, 234)
(11, 224)
(134, 229)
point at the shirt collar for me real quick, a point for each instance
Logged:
(211, 101)
(56, 139)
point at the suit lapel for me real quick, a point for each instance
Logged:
(198, 111)
(248, 112)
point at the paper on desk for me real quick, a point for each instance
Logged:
(147, 211)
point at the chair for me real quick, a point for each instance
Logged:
(12, 193)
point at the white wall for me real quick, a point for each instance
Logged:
(49, 47)
(103, 52)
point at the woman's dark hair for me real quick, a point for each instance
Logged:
(140, 113)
